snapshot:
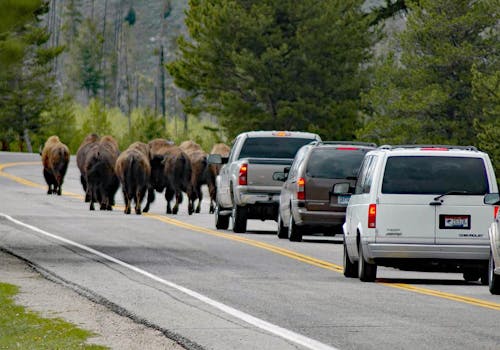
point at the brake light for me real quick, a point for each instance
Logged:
(347, 148)
(372, 216)
(301, 188)
(242, 178)
(495, 212)
(434, 149)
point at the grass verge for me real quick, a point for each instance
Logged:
(23, 329)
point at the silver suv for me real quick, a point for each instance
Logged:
(420, 208)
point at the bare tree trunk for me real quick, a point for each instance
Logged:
(102, 63)
(162, 88)
(27, 141)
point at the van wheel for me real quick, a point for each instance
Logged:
(282, 230)
(221, 221)
(294, 232)
(350, 268)
(239, 219)
(367, 272)
(493, 280)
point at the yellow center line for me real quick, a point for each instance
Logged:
(269, 247)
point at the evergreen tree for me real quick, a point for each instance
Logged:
(426, 95)
(275, 64)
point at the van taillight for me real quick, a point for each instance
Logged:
(242, 179)
(372, 216)
(495, 212)
(301, 188)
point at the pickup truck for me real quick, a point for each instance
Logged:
(246, 185)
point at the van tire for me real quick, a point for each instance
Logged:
(493, 280)
(294, 232)
(367, 272)
(239, 219)
(221, 221)
(350, 268)
(282, 230)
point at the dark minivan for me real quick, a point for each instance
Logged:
(307, 202)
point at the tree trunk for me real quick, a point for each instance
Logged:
(27, 141)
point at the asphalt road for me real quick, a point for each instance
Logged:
(212, 289)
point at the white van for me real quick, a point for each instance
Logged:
(420, 208)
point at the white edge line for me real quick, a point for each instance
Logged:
(267, 326)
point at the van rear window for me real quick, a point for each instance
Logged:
(434, 175)
(334, 164)
(272, 147)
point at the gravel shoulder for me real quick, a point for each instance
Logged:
(53, 300)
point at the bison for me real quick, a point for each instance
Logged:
(133, 170)
(81, 156)
(100, 176)
(55, 160)
(213, 170)
(170, 171)
(198, 159)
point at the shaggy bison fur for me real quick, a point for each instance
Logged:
(213, 170)
(81, 156)
(55, 160)
(198, 159)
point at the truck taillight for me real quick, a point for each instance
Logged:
(301, 188)
(372, 216)
(242, 178)
(495, 212)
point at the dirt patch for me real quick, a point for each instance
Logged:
(53, 300)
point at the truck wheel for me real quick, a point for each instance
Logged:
(282, 230)
(239, 219)
(350, 268)
(221, 221)
(367, 272)
(294, 232)
(493, 279)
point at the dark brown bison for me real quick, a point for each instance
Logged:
(81, 155)
(213, 170)
(101, 179)
(55, 160)
(198, 159)
(170, 172)
(133, 170)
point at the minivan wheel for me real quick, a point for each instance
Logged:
(282, 230)
(367, 272)
(350, 268)
(221, 221)
(239, 219)
(294, 233)
(493, 279)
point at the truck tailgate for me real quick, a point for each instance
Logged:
(261, 170)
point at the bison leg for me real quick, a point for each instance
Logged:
(178, 200)
(150, 199)
(212, 207)
(200, 197)
(169, 196)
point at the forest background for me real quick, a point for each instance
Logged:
(384, 71)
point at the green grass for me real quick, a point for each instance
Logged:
(23, 329)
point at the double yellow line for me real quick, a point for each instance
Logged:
(269, 247)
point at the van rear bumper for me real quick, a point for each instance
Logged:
(303, 216)
(427, 251)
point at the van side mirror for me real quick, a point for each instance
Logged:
(492, 198)
(341, 188)
(214, 159)
(286, 170)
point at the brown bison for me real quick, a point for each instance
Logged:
(81, 155)
(55, 160)
(133, 170)
(213, 170)
(170, 172)
(198, 159)
(100, 176)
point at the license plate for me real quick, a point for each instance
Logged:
(343, 200)
(459, 222)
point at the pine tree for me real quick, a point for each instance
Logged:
(426, 95)
(275, 64)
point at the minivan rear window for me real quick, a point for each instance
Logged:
(434, 175)
(334, 164)
(272, 147)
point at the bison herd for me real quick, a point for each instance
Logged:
(141, 170)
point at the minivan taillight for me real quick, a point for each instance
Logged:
(301, 188)
(242, 178)
(495, 212)
(372, 216)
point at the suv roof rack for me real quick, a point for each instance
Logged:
(466, 148)
(353, 143)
